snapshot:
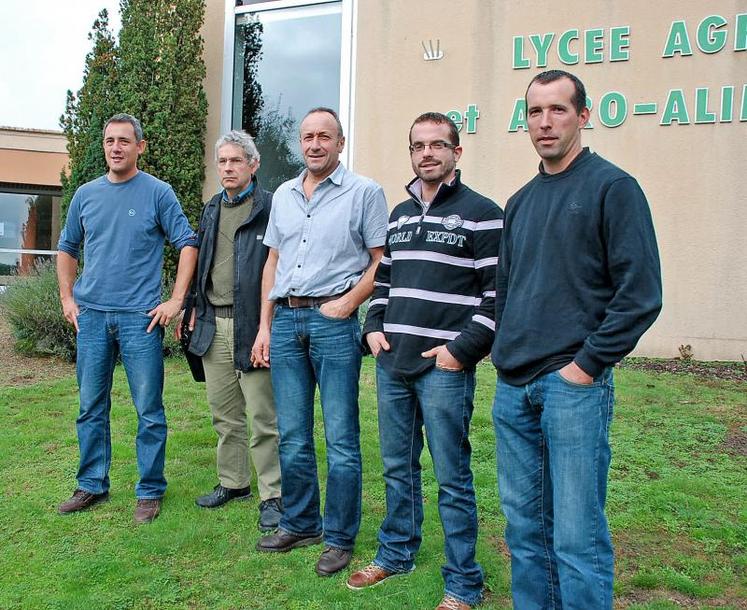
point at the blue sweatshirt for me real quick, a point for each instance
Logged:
(122, 227)
(578, 276)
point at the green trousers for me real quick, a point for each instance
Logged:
(231, 395)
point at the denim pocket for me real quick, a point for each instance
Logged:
(596, 382)
(318, 308)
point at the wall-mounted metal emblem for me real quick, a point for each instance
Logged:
(431, 53)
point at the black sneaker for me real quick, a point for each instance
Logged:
(220, 495)
(270, 512)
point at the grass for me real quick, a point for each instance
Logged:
(677, 508)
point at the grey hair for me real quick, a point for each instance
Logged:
(126, 118)
(241, 139)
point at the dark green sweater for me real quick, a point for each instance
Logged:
(578, 274)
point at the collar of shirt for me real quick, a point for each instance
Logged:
(416, 189)
(335, 178)
(240, 197)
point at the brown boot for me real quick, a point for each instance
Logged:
(147, 510)
(370, 576)
(452, 603)
(81, 500)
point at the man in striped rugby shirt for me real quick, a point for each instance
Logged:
(429, 322)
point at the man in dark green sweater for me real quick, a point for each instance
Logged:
(578, 283)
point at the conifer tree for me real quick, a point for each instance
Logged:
(87, 111)
(160, 81)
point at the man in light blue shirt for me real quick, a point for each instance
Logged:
(122, 219)
(326, 235)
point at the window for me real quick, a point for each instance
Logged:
(287, 60)
(29, 229)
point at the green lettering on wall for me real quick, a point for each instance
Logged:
(470, 117)
(743, 114)
(564, 47)
(613, 109)
(456, 118)
(519, 116)
(541, 45)
(702, 114)
(620, 43)
(677, 41)
(520, 62)
(740, 33)
(675, 109)
(727, 104)
(593, 46)
(711, 39)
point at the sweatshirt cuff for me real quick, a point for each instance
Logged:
(464, 356)
(588, 364)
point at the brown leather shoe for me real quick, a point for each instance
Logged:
(282, 542)
(370, 576)
(452, 603)
(332, 560)
(80, 500)
(147, 510)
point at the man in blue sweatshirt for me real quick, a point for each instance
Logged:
(578, 283)
(121, 219)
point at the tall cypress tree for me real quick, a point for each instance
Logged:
(87, 111)
(160, 81)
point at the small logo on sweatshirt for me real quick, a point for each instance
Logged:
(401, 221)
(452, 222)
(131, 212)
(574, 207)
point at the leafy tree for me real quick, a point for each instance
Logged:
(250, 54)
(87, 111)
(277, 134)
(160, 81)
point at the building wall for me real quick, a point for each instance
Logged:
(32, 156)
(691, 173)
(212, 32)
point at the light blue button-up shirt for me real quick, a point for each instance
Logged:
(323, 242)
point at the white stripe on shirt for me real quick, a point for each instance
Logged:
(424, 255)
(438, 297)
(419, 331)
(484, 321)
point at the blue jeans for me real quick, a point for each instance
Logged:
(102, 336)
(306, 349)
(553, 461)
(441, 402)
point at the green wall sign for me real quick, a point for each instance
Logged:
(597, 45)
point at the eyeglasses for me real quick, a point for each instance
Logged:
(436, 146)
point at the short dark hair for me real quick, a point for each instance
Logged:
(579, 96)
(126, 118)
(328, 111)
(440, 119)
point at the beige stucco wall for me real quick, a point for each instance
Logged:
(212, 33)
(693, 174)
(32, 156)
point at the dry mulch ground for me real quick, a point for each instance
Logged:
(728, 371)
(18, 370)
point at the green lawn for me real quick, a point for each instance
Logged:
(677, 508)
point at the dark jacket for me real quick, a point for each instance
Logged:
(250, 255)
(435, 282)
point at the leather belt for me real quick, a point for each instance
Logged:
(298, 302)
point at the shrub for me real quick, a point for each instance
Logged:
(32, 307)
